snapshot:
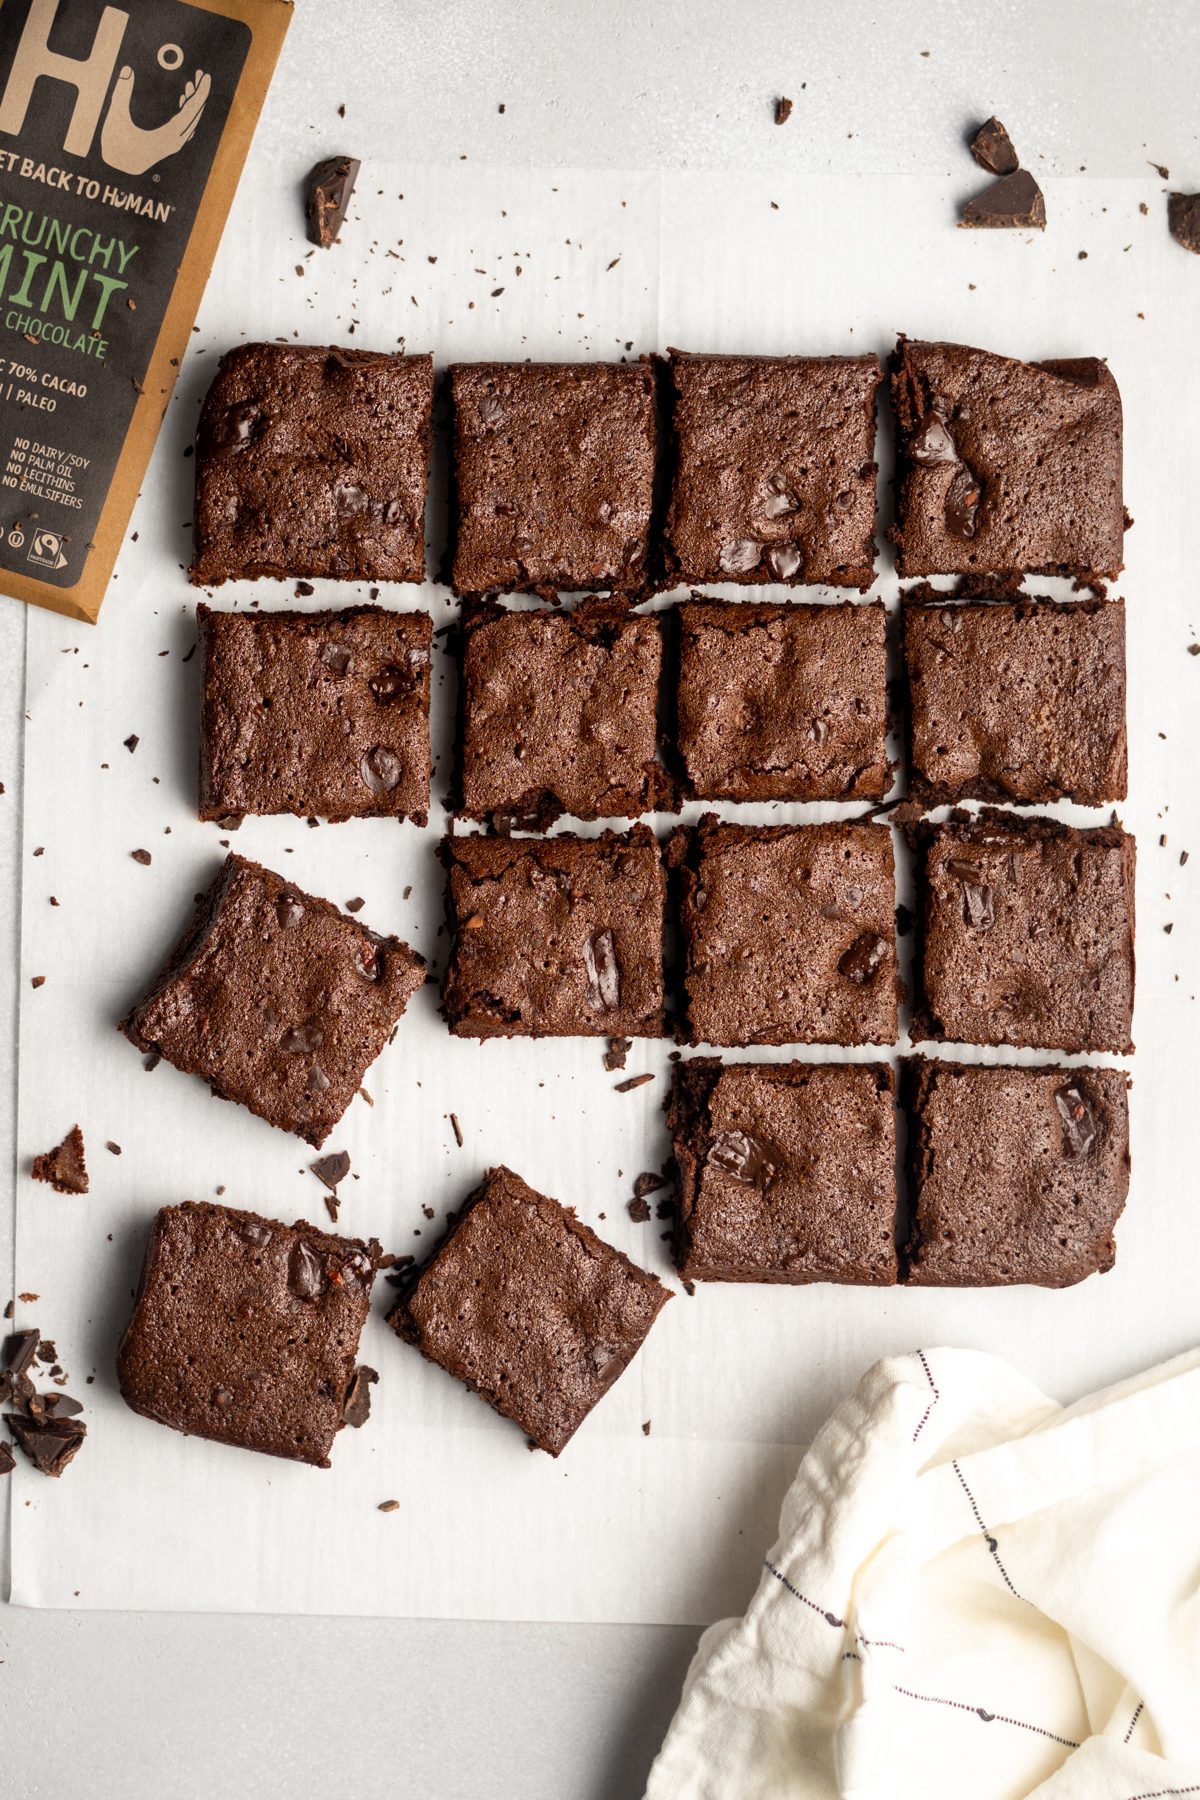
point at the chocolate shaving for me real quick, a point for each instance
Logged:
(634, 1081)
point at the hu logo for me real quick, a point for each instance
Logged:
(130, 149)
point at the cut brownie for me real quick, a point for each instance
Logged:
(554, 476)
(528, 1308)
(277, 999)
(782, 702)
(788, 933)
(313, 461)
(555, 937)
(1024, 933)
(246, 1330)
(774, 476)
(785, 1171)
(1018, 1175)
(323, 713)
(1019, 700)
(1005, 466)
(560, 713)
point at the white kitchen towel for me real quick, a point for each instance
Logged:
(975, 1594)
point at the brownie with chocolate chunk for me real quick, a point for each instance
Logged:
(1006, 467)
(528, 1308)
(553, 476)
(559, 713)
(774, 469)
(278, 1000)
(788, 933)
(1024, 933)
(782, 702)
(785, 1171)
(1017, 1175)
(322, 713)
(555, 937)
(246, 1331)
(1014, 699)
(313, 461)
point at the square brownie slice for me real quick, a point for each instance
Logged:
(246, 1330)
(278, 1000)
(529, 1308)
(555, 937)
(559, 713)
(1005, 466)
(1024, 933)
(1013, 699)
(788, 933)
(313, 461)
(774, 469)
(323, 713)
(1017, 1175)
(785, 1171)
(779, 702)
(553, 475)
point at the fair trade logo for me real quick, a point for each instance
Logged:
(100, 103)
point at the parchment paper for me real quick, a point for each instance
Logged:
(624, 1526)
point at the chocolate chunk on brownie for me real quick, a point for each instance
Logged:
(1016, 700)
(1004, 466)
(246, 1330)
(553, 475)
(786, 1171)
(555, 937)
(319, 714)
(782, 702)
(528, 1308)
(774, 469)
(559, 713)
(64, 1166)
(278, 1000)
(1024, 933)
(1017, 1175)
(313, 461)
(788, 933)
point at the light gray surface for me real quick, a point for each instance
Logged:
(199, 1706)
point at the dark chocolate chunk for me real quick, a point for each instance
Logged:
(1183, 220)
(638, 1210)
(64, 1167)
(603, 975)
(330, 185)
(332, 1168)
(306, 1272)
(865, 957)
(1079, 1126)
(993, 150)
(8, 1461)
(356, 1408)
(48, 1443)
(20, 1349)
(738, 1154)
(1015, 201)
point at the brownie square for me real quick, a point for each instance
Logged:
(313, 461)
(1017, 1175)
(278, 1000)
(788, 933)
(1024, 933)
(246, 1330)
(529, 1308)
(555, 937)
(559, 713)
(1005, 466)
(782, 702)
(323, 713)
(785, 1171)
(1017, 700)
(774, 470)
(554, 476)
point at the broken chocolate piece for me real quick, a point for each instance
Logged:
(8, 1461)
(64, 1167)
(48, 1443)
(618, 1050)
(20, 1349)
(356, 1409)
(638, 1209)
(993, 150)
(1014, 202)
(332, 1168)
(1183, 220)
(330, 186)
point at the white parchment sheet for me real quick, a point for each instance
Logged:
(470, 263)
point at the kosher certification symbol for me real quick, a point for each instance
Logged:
(46, 550)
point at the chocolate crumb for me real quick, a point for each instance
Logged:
(456, 1128)
(115, 1148)
(37, 981)
(634, 1081)
(143, 857)
(645, 1427)
(394, 1505)
(783, 110)
(618, 1050)
(648, 1183)
(132, 742)
(355, 905)
(638, 1210)
(64, 1166)
(356, 1408)
(152, 1061)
